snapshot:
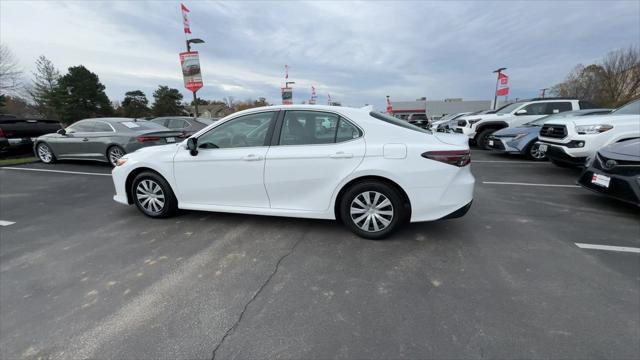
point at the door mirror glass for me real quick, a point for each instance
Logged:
(62, 132)
(521, 112)
(192, 145)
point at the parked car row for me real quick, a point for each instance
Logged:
(603, 141)
(108, 139)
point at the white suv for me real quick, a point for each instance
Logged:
(479, 127)
(570, 141)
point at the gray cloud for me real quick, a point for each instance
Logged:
(357, 51)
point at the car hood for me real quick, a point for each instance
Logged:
(486, 117)
(593, 119)
(517, 130)
(626, 150)
(153, 151)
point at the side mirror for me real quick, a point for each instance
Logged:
(521, 112)
(192, 145)
(62, 132)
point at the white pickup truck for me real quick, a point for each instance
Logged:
(570, 141)
(479, 127)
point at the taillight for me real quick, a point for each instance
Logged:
(143, 138)
(458, 158)
(2, 133)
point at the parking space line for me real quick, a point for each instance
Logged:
(608, 248)
(511, 162)
(6, 223)
(56, 171)
(528, 184)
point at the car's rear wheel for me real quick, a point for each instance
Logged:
(372, 210)
(45, 154)
(153, 196)
(114, 153)
(482, 141)
(534, 152)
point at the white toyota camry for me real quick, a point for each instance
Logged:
(370, 170)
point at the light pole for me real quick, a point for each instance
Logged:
(195, 98)
(543, 91)
(495, 93)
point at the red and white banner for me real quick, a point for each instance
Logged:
(185, 19)
(190, 63)
(389, 106)
(503, 85)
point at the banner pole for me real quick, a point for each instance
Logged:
(195, 104)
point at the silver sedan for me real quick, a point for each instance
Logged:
(102, 139)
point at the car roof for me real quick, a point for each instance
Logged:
(113, 119)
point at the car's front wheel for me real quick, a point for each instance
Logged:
(153, 195)
(45, 154)
(482, 141)
(534, 152)
(372, 210)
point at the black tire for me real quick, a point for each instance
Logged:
(112, 152)
(562, 164)
(482, 140)
(396, 207)
(534, 155)
(42, 149)
(145, 181)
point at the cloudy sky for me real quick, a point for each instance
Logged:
(356, 51)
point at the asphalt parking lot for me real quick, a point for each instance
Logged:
(84, 277)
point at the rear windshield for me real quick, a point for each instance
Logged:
(139, 125)
(205, 121)
(395, 121)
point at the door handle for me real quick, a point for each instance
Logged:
(252, 157)
(85, 139)
(341, 155)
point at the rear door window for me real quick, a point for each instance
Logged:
(558, 107)
(536, 109)
(102, 127)
(316, 127)
(177, 124)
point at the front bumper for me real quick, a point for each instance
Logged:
(621, 187)
(559, 154)
(119, 176)
(505, 144)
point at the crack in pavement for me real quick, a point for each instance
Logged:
(255, 295)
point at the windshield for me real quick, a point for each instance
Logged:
(395, 121)
(632, 108)
(508, 108)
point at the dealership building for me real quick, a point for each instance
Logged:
(435, 109)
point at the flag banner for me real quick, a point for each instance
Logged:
(389, 106)
(190, 63)
(185, 19)
(503, 85)
(287, 96)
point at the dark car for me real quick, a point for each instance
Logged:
(102, 139)
(16, 132)
(615, 171)
(187, 125)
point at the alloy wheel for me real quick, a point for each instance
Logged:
(150, 196)
(115, 153)
(536, 153)
(44, 153)
(371, 211)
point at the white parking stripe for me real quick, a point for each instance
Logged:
(608, 248)
(56, 171)
(6, 223)
(511, 162)
(528, 184)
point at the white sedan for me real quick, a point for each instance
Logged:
(370, 170)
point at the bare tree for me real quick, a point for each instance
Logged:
(10, 73)
(621, 75)
(229, 101)
(582, 83)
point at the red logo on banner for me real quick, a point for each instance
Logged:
(503, 85)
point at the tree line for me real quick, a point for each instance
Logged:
(79, 94)
(612, 82)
